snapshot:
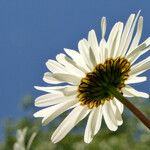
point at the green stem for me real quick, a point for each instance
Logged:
(113, 91)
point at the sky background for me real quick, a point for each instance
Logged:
(32, 31)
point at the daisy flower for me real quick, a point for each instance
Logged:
(85, 80)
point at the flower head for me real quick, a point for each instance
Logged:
(88, 73)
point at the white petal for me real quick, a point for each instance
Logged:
(116, 112)
(109, 116)
(70, 65)
(52, 112)
(97, 119)
(70, 90)
(134, 92)
(126, 93)
(92, 39)
(103, 26)
(48, 78)
(138, 54)
(77, 59)
(93, 124)
(137, 36)
(138, 49)
(59, 110)
(129, 37)
(140, 67)
(117, 40)
(51, 99)
(55, 67)
(119, 105)
(125, 34)
(103, 53)
(112, 39)
(55, 89)
(48, 99)
(85, 53)
(134, 79)
(76, 115)
(67, 78)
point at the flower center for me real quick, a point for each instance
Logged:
(93, 90)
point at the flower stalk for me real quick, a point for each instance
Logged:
(113, 91)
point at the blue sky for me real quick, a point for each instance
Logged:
(31, 31)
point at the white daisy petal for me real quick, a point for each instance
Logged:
(70, 65)
(84, 51)
(103, 26)
(76, 115)
(112, 39)
(116, 112)
(93, 124)
(77, 59)
(117, 40)
(53, 89)
(134, 92)
(70, 90)
(134, 79)
(126, 93)
(138, 51)
(119, 105)
(51, 99)
(129, 37)
(140, 67)
(137, 55)
(109, 116)
(103, 52)
(67, 78)
(48, 78)
(55, 67)
(52, 112)
(92, 39)
(137, 36)
(57, 110)
(125, 34)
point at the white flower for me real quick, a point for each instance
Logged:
(87, 74)
(20, 143)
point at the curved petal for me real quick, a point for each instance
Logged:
(55, 67)
(48, 78)
(119, 105)
(77, 59)
(93, 124)
(134, 79)
(52, 112)
(76, 115)
(134, 92)
(116, 112)
(125, 34)
(72, 79)
(140, 67)
(112, 39)
(103, 26)
(109, 116)
(129, 37)
(103, 52)
(137, 36)
(51, 99)
(70, 65)
(92, 39)
(84, 51)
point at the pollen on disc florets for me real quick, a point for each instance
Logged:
(93, 91)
